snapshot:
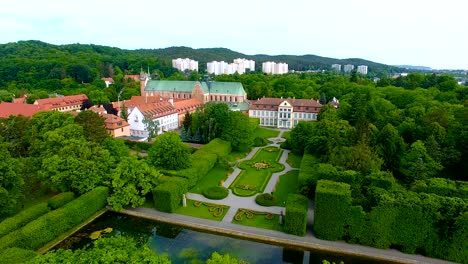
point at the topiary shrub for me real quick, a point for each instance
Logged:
(60, 199)
(216, 192)
(260, 142)
(266, 199)
(17, 221)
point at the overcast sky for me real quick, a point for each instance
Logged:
(431, 33)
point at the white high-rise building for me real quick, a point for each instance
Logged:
(348, 68)
(185, 64)
(221, 67)
(336, 67)
(362, 69)
(274, 68)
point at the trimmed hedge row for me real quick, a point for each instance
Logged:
(60, 199)
(203, 160)
(19, 220)
(306, 178)
(442, 187)
(410, 221)
(295, 221)
(17, 255)
(216, 192)
(49, 226)
(168, 196)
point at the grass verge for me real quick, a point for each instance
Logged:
(294, 160)
(203, 210)
(287, 183)
(257, 219)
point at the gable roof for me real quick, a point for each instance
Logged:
(300, 105)
(55, 102)
(113, 122)
(136, 101)
(234, 88)
(157, 110)
(9, 109)
(185, 105)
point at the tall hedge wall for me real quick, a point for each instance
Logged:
(49, 226)
(60, 199)
(306, 178)
(295, 220)
(22, 218)
(332, 203)
(168, 196)
(410, 221)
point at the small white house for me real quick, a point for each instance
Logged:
(163, 112)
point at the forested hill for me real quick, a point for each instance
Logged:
(132, 60)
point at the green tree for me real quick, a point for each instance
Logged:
(94, 128)
(417, 164)
(130, 181)
(10, 180)
(390, 146)
(238, 130)
(6, 96)
(152, 126)
(217, 258)
(105, 250)
(98, 97)
(124, 112)
(169, 152)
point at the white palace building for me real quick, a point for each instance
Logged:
(284, 113)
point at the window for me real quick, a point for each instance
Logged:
(119, 123)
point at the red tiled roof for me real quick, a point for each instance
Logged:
(135, 77)
(137, 101)
(108, 79)
(157, 109)
(21, 100)
(113, 122)
(187, 105)
(56, 102)
(272, 104)
(8, 109)
(98, 109)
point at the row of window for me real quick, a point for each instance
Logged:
(300, 115)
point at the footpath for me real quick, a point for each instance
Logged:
(306, 243)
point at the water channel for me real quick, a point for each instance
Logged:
(187, 246)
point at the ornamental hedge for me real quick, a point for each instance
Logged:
(216, 192)
(19, 220)
(60, 199)
(49, 226)
(266, 199)
(295, 220)
(168, 196)
(442, 187)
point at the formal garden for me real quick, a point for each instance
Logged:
(257, 171)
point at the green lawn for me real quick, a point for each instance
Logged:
(257, 219)
(236, 155)
(213, 178)
(265, 133)
(294, 160)
(286, 134)
(251, 180)
(204, 210)
(286, 184)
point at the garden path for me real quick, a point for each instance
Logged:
(235, 202)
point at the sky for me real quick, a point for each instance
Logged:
(432, 33)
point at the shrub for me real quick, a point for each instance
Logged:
(266, 199)
(216, 192)
(168, 197)
(307, 179)
(380, 179)
(295, 221)
(137, 145)
(60, 199)
(49, 226)
(12, 223)
(260, 142)
(17, 255)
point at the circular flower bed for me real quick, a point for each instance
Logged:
(216, 192)
(266, 199)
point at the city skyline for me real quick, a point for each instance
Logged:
(418, 33)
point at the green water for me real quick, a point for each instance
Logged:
(188, 246)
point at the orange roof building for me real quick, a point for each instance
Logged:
(13, 109)
(116, 126)
(64, 103)
(163, 112)
(185, 106)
